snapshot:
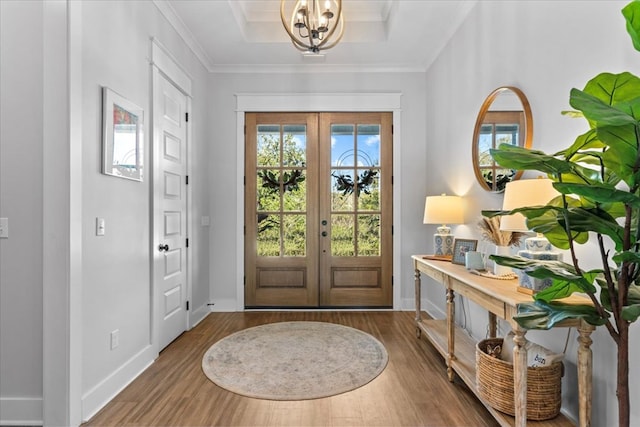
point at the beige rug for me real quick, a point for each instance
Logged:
(295, 360)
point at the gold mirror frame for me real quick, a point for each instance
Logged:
(526, 139)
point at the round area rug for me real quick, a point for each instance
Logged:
(295, 360)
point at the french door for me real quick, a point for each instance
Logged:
(318, 214)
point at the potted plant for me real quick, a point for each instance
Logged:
(598, 177)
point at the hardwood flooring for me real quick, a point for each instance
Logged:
(413, 390)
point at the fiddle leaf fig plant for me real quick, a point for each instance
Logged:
(598, 178)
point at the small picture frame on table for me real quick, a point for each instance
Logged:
(460, 248)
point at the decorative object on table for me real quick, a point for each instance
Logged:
(598, 178)
(312, 27)
(443, 210)
(474, 260)
(529, 193)
(460, 249)
(495, 383)
(502, 239)
(122, 136)
(295, 360)
(490, 275)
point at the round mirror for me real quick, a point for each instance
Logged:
(504, 118)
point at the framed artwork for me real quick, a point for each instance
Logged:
(122, 136)
(460, 248)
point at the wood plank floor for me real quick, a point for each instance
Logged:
(413, 390)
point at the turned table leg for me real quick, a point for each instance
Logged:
(418, 296)
(492, 325)
(520, 376)
(585, 372)
(451, 316)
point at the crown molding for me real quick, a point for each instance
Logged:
(315, 68)
(183, 31)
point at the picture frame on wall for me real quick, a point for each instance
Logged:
(460, 248)
(122, 136)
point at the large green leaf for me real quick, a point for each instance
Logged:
(542, 315)
(585, 141)
(631, 311)
(631, 13)
(597, 221)
(600, 193)
(543, 269)
(629, 256)
(519, 158)
(564, 288)
(612, 90)
(622, 155)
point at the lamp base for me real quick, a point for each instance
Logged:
(536, 248)
(443, 244)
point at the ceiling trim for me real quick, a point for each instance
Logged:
(183, 31)
(315, 68)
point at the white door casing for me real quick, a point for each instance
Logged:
(170, 273)
(301, 102)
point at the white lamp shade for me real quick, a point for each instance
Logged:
(443, 210)
(524, 193)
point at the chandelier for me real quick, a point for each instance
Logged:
(311, 26)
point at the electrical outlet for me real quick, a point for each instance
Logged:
(4, 228)
(115, 339)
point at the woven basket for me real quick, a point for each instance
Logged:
(494, 380)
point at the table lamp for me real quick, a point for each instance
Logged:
(529, 193)
(443, 210)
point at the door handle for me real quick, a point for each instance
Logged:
(324, 234)
(164, 248)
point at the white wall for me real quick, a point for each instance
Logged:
(21, 161)
(114, 44)
(224, 182)
(116, 275)
(545, 49)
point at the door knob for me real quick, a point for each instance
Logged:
(164, 248)
(324, 234)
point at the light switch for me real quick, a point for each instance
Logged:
(4, 228)
(100, 227)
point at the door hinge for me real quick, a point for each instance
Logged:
(392, 281)
(186, 179)
(245, 129)
(392, 230)
(187, 242)
(186, 117)
(391, 179)
(244, 280)
(391, 129)
(187, 305)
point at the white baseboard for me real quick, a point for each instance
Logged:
(21, 411)
(224, 305)
(432, 310)
(198, 315)
(100, 395)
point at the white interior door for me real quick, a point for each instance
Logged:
(170, 205)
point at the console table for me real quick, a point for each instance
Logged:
(500, 298)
